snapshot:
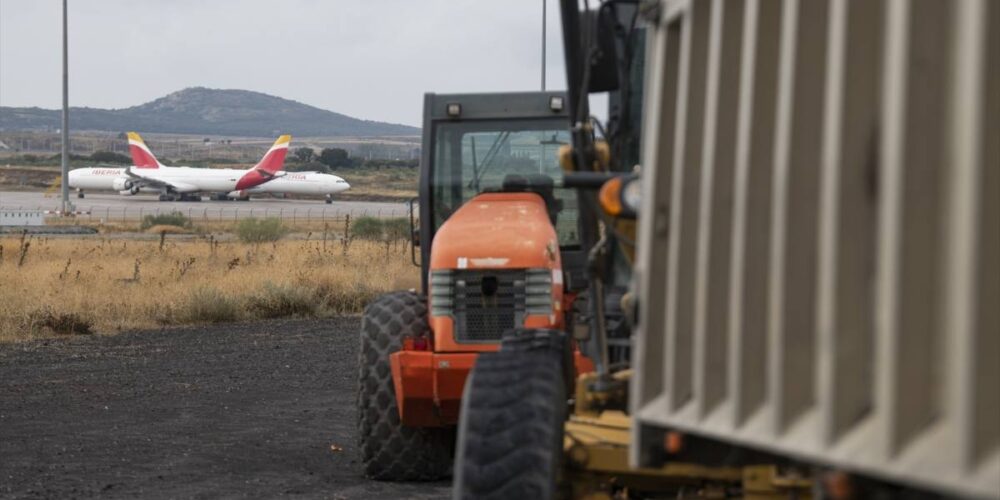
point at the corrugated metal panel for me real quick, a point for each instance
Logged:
(818, 262)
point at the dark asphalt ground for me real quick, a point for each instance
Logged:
(250, 410)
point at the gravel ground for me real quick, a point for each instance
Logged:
(263, 409)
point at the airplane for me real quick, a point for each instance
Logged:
(309, 183)
(147, 174)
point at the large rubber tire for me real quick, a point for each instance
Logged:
(510, 435)
(390, 451)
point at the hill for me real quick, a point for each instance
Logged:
(200, 110)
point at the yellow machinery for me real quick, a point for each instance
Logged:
(816, 260)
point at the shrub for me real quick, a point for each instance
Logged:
(211, 305)
(367, 228)
(276, 301)
(170, 219)
(60, 322)
(260, 230)
(397, 228)
(350, 299)
(371, 228)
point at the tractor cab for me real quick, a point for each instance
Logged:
(494, 143)
(499, 250)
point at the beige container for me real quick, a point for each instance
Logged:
(820, 235)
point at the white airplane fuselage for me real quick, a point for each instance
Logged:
(206, 180)
(184, 179)
(301, 183)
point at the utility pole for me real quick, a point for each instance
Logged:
(66, 205)
(543, 44)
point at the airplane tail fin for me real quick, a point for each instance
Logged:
(268, 166)
(274, 160)
(141, 156)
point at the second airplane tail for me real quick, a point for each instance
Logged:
(268, 167)
(274, 160)
(142, 157)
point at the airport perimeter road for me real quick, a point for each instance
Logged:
(258, 410)
(112, 207)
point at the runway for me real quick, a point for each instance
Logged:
(109, 206)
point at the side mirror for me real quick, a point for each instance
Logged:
(414, 234)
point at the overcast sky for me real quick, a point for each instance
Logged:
(370, 59)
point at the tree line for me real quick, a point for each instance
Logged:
(300, 160)
(328, 159)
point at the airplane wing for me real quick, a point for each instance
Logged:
(180, 187)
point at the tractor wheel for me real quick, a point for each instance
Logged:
(390, 451)
(510, 436)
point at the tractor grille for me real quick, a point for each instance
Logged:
(486, 302)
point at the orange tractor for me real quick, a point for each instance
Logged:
(500, 251)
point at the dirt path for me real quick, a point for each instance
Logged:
(242, 410)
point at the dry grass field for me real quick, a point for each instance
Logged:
(52, 286)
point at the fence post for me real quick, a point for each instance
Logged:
(294, 210)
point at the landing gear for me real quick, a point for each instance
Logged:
(79, 193)
(329, 199)
(166, 197)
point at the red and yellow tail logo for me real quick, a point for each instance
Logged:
(141, 156)
(274, 159)
(268, 166)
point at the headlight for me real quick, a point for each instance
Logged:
(538, 291)
(620, 197)
(442, 302)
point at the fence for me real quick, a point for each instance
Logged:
(109, 214)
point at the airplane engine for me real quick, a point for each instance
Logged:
(125, 186)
